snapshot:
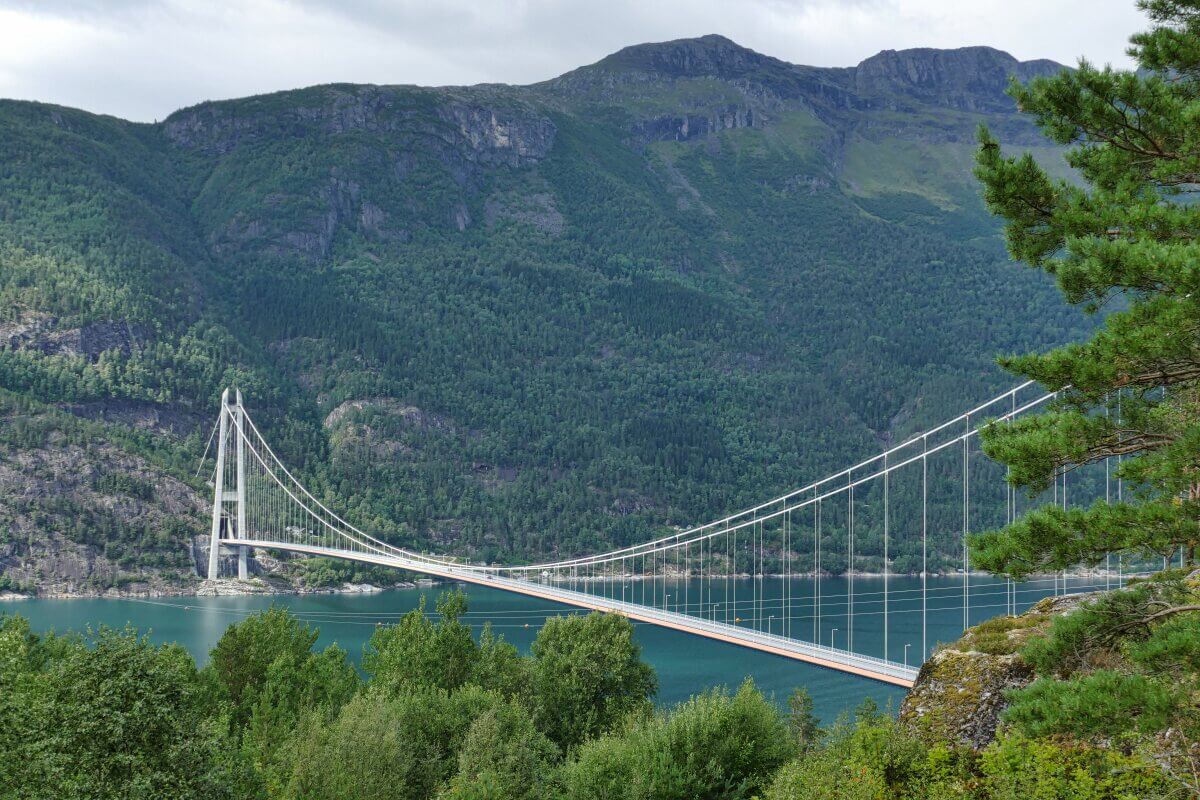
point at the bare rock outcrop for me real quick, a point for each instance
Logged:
(85, 518)
(49, 335)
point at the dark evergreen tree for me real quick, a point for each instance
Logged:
(1124, 238)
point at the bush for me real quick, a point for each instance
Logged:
(872, 758)
(1017, 768)
(1173, 648)
(1100, 627)
(712, 746)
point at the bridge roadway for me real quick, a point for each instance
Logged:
(830, 657)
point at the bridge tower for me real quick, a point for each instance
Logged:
(229, 522)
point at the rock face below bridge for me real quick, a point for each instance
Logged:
(962, 690)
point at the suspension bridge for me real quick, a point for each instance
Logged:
(735, 579)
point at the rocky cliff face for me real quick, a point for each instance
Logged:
(48, 335)
(86, 518)
(483, 124)
(369, 151)
(969, 78)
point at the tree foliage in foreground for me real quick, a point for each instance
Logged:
(111, 715)
(1124, 238)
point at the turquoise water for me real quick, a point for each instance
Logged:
(686, 664)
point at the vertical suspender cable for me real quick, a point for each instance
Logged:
(735, 582)
(787, 574)
(754, 576)
(924, 545)
(1011, 508)
(1120, 493)
(886, 514)
(850, 566)
(966, 482)
(1064, 506)
(817, 572)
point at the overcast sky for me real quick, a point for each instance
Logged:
(142, 59)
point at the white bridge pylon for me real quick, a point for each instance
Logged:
(734, 579)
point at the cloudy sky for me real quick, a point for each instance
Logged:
(142, 59)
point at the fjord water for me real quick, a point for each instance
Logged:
(686, 664)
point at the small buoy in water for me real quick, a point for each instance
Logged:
(526, 624)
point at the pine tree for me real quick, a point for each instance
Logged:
(1122, 238)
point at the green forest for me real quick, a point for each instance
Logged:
(509, 350)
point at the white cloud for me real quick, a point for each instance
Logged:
(142, 59)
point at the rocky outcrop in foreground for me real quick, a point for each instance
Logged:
(962, 690)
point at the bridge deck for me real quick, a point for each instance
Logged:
(829, 657)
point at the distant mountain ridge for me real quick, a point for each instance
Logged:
(930, 74)
(502, 320)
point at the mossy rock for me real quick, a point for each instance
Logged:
(963, 689)
(1002, 636)
(959, 696)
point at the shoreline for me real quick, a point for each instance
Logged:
(232, 587)
(228, 587)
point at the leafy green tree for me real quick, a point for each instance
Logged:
(24, 694)
(1125, 237)
(418, 652)
(499, 667)
(295, 687)
(116, 717)
(386, 745)
(587, 676)
(504, 757)
(270, 653)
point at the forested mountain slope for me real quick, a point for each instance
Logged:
(502, 320)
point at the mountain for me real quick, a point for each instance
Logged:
(499, 320)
